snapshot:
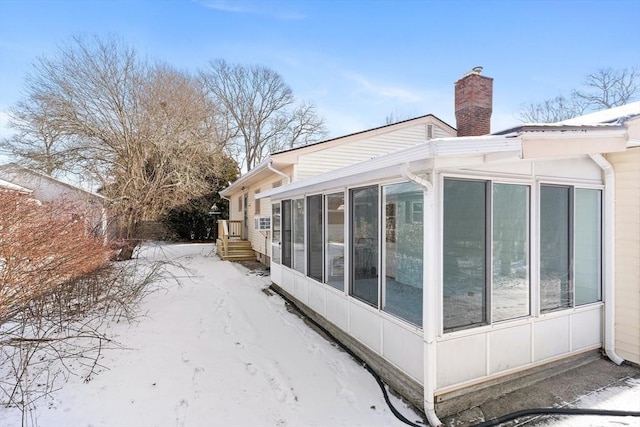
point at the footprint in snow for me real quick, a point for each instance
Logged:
(250, 368)
(181, 412)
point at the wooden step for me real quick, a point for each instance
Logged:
(237, 250)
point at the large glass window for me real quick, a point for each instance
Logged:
(464, 253)
(510, 252)
(315, 237)
(403, 251)
(334, 275)
(588, 245)
(286, 233)
(555, 247)
(275, 233)
(298, 235)
(364, 244)
(570, 246)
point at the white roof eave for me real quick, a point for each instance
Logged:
(492, 147)
(390, 165)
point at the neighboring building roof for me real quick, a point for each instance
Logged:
(12, 172)
(610, 117)
(15, 187)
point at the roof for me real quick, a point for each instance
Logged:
(284, 157)
(13, 169)
(610, 117)
(421, 157)
(384, 127)
(15, 187)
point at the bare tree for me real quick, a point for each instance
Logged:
(553, 110)
(262, 108)
(38, 143)
(148, 133)
(606, 88)
(397, 117)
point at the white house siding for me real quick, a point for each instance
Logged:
(322, 161)
(260, 240)
(627, 248)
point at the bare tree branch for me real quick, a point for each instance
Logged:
(606, 88)
(149, 134)
(262, 108)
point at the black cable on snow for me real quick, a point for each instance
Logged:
(556, 411)
(364, 364)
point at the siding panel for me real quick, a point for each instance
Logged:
(627, 249)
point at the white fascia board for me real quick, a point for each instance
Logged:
(389, 165)
(246, 178)
(572, 143)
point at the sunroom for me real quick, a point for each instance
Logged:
(460, 260)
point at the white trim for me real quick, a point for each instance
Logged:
(608, 277)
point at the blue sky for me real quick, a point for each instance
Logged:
(357, 60)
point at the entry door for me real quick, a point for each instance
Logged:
(245, 223)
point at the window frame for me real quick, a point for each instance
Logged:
(309, 211)
(573, 186)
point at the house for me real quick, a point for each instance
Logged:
(249, 216)
(460, 262)
(90, 207)
(455, 263)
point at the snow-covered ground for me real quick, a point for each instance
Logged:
(216, 350)
(623, 397)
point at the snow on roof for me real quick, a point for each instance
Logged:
(613, 115)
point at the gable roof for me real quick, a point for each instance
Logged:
(371, 132)
(288, 157)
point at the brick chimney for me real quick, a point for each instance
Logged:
(474, 100)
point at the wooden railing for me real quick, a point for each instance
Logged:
(235, 228)
(226, 230)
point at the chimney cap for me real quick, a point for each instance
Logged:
(477, 70)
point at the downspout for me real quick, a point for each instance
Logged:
(609, 257)
(428, 296)
(272, 169)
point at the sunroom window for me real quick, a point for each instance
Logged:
(287, 226)
(275, 233)
(570, 246)
(364, 244)
(315, 224)
(464, 253)
(334, 246)
(403, 251)
(298, 235)
(485, 253)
